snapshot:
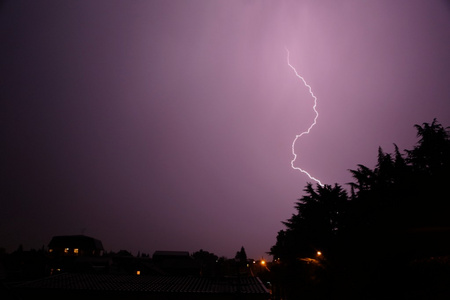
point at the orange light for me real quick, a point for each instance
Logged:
(138, 272)
(319, 253)
(263, 262)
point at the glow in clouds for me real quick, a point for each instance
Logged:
(310, 127)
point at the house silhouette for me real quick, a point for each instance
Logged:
(75, 245)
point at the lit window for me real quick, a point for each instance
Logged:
(50, 250)
(66, 250)
(138, 272)
(75, 251)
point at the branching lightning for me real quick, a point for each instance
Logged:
(310, 127)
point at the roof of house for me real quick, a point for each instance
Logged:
(75, 241)
(141, 283)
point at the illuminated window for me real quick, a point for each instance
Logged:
(66, 250)
(75, 251)
(50, 250)
(138, 272)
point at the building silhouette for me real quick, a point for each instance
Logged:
(75, 245)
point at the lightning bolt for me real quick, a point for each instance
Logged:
(310, 127)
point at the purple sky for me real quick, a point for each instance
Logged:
(167, 125)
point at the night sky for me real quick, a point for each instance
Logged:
(167, 125)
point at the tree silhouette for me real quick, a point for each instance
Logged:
(431, 155)
(320, 217)
(430, 173)
(241, 256)
(373, 229)
(207, 262)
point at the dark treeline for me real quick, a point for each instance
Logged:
(387, 237)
